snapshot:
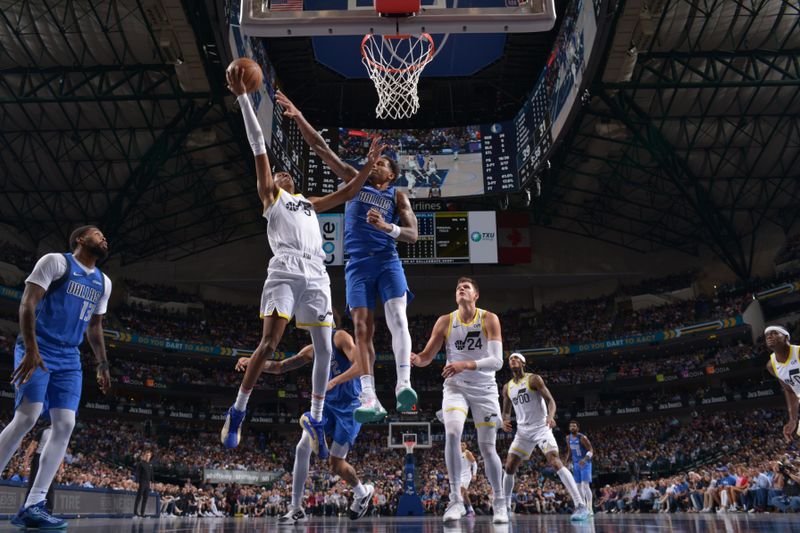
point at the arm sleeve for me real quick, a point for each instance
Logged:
(48, 268)
(254, 134)
(102, 305)
(494, 361)
(474, 468)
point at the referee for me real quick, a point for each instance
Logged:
(34, 452)
(144, 473)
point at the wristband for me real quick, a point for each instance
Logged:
(394, 233)
(589, 455)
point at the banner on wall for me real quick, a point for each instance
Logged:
(482, 237)
(331, 226)
(242, 477)
(638, 340)
(514, 246)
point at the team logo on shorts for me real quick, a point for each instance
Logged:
(323, 317)
(489, 417)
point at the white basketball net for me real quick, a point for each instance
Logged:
(394, 64)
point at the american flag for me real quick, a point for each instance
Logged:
(286, 5)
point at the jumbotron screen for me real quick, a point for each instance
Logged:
(434, 163)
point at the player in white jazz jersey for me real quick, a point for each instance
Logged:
(535, 409)
(784, 364)
(469, 467)
(474, 348)
(297, 283)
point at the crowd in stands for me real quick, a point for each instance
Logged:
(790, 250)
(189, 373)
(704, 461)
(660, 285)
(17, 256)
(159, 293)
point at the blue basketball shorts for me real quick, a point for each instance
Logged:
(340, 424)
(366, 278)
(56, 389)
(582, 475)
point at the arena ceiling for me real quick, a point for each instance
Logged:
(115, 112)
(691, 132)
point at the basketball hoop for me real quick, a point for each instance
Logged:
(394, 64)
(409, 445)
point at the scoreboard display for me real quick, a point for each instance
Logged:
(451, 238)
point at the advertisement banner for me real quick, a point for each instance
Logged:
(482, 237)
(638, 340)
(243, 477)
(73, 501)
(331, 226)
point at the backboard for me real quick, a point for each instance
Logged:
(397, 431)
(297, 18)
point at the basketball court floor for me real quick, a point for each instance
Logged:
(728, 523)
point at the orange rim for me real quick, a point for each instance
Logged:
(410, 68)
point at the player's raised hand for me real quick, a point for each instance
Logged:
(30, 362)
(376, 148)
(235, 78)
(289, 109)
(242, 363)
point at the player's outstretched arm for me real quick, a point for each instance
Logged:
(791, 405)
(425, 357)
(94, 334)
(408, 231)
(351, 189)
(302, 358)
(345, 343)
(267, 190)
(315, 141)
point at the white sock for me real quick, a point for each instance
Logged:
(572, 488)
(368, 385)
(587, 494)
(508, 487)
(493, 466)
(453, 426)
(302, 459)
(359, 490)
(321, 338)
(63, 422)
(25, 417)
(241, 399)
(397, 322)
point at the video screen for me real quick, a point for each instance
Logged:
(434, 163)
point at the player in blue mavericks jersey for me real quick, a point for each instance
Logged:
(375, 219)
(581, 451)
(65, 297)
(340, 403)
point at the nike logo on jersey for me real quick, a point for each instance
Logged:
(77, 274)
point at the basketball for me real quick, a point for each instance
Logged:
(252, 73)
